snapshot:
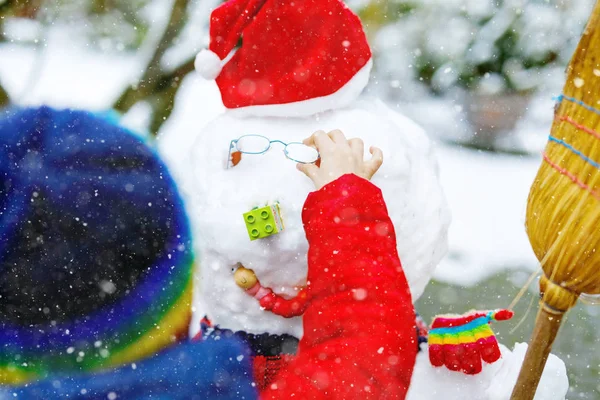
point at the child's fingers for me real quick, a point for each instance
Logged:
(337, 137)
(310, 141)
(358, 147)
(375, 162)
(323, 142)
(309, 170)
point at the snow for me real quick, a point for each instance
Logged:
(194, 36)
(197, 102)
(453, 38)
(487, 194)
(64, 73)
(495, 382)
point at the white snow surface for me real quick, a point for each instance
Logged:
(487, 194)
(495, 382)
(218, 198)
(64, 73)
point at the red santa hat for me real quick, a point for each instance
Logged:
(297, 57)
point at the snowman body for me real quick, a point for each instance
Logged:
(408, 179)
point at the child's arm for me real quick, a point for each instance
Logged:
(359, 327)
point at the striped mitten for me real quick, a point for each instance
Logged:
(460, 342)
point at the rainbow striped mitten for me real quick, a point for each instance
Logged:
(460, 342)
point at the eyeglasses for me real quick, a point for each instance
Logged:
(257, 144)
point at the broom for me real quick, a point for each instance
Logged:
(563, 210)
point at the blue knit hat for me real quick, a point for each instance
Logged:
(95, 247)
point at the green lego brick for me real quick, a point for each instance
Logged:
(263, 222)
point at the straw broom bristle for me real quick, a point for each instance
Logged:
(563, 220)
(563, 210)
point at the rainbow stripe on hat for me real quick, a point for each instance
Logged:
(82, 165)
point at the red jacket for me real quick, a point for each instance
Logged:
(359, 328)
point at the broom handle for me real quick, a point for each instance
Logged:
(546, 328)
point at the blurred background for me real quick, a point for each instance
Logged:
(478, 75)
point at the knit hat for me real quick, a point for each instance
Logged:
(296, 57)
(95, 247)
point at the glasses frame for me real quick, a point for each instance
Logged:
(233, 146)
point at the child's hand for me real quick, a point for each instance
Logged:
(339, 156)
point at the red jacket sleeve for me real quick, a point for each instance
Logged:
(359, 328)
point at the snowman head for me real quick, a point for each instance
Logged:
(300, 68)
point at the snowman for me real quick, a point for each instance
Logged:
(285, 70)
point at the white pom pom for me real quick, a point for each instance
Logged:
(208, 64)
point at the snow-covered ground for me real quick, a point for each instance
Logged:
(64, 73)
(487, 194)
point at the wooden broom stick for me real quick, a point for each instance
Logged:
(563, 211)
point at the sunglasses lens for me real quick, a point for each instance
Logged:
(252, 144)
(301, 153)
